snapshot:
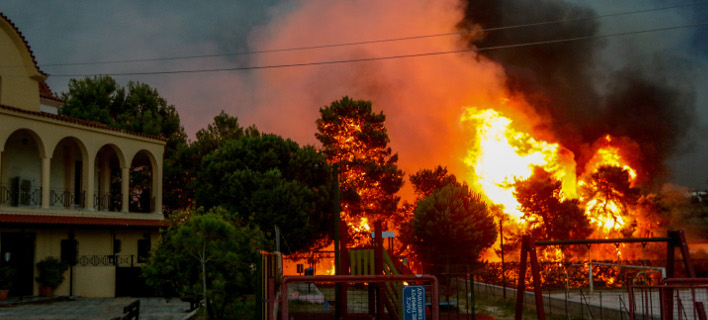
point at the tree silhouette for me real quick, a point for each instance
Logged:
(548, 216)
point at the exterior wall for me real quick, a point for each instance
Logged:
(94, 280)
(20, 88)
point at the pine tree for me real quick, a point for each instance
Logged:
(354, 137)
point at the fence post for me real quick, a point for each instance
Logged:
(521, 285)
(536, 276)
(472, 287)
(550, 303)
(601, 311)
(378, 268)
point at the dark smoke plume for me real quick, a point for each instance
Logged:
(652, 104)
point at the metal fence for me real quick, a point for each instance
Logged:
(336, 297)
(673, 299)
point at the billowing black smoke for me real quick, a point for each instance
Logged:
(650, 102)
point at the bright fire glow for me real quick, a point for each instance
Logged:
(604, 214)
(609, 155)
(363, 226)
(332, 270)
(604, 210)
(500, 155)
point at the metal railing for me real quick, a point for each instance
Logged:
(20, 197)
(67, 199)
(31, 197)
(108, 201)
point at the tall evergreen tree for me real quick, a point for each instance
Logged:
(354, 137)
(452, 226)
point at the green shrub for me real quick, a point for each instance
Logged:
(51, 272)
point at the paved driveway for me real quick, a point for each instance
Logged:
(95, 308)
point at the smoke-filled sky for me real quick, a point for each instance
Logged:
(647, 85)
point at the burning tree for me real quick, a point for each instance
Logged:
(547, 214)
(355, 137)
(608, 194)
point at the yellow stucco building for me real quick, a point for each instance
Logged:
(65, 186)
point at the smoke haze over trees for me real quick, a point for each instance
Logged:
(651, 100)
(415, 87)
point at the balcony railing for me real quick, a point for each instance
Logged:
(67, 199)
(31, 197)
(108, 201)
(20, 196)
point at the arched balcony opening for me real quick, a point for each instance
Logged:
(108, 180)
(67, 171)
(141, 183)
(21, 170)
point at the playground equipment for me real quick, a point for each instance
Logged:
(378, 282)
(367, 285)
(674, 239)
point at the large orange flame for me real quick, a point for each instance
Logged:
(606, 213)
(499, 155)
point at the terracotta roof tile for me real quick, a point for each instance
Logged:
(87, 221)
(46, 92)
(87, 123)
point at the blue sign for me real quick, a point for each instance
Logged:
(414, 303)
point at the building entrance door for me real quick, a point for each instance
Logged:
(18, 251)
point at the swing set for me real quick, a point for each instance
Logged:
(674, 239)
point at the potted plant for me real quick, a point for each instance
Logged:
(7, 274)
(51, 275)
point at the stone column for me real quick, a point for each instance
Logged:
(157, 188)
(46, 167)
(90, 184)
(104, 187)
(125, 188)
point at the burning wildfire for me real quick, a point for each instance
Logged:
(606, 201)
(500, 155)
(609, 155)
